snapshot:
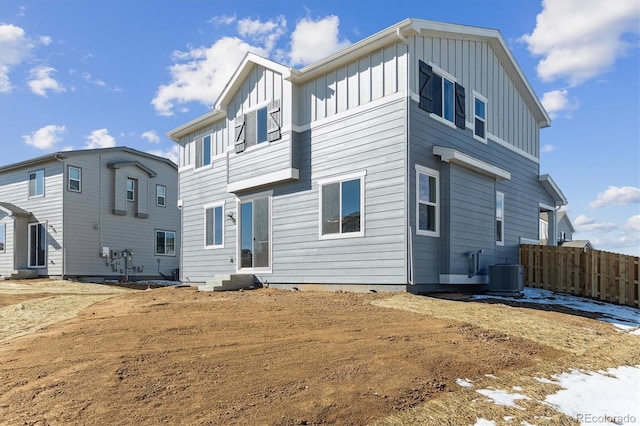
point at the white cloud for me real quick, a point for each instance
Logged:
(620, 195)
(40, 81)
(100, 139)
(151, 136)
(314, 40)
(46, 137)
(201, 74)
(265, 33)
(585, 224)
(547, 148)
(45, 40)
(222, 20)
(556, 101)
(14, 48)
(632, 224)
(578, 40)
(171, 154)
(89, 79)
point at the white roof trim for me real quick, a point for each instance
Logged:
(553, 190)
(451, 155)
(195, 124)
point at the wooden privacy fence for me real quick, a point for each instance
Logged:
(606, 276)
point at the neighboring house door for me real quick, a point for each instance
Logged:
(255, 233)
(37, 245)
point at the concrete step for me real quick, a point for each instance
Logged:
(19, 274)
(229, 283)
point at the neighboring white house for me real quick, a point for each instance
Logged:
(108, 212)
(564, 231)
(408, 161)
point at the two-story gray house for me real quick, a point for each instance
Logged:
(109, 213)
(407, 161)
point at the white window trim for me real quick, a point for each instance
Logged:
(165, 195)
(29, 242)
(204, 215)
(43, 184)
(436, 174)
(500, 195)
(133, 191)
(339, 179)
(477, 95)
(240, 199)
(3, 226)
(155, 242)
(69, 179)
(256, 107)
(442, 73)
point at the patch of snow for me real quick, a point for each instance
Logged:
(517, 388)
(609, 397)
(501, 397)
(491, 376)
(465, 383)
(626, 318)
(484, 422)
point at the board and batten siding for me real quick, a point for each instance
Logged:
(467, 200)
(14, 189)
(92, 225)
(374, 76)
(373, 141)
(476, 67)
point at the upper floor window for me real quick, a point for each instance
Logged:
(342, 206)
(165, 243)
(499, 218)
(258, 126)
(427, 201)
(441, 95)
(479, 117)
(203, 151)
(74, 179)
(131, 189)
(36, 183)
(161, 195)
(214, 225)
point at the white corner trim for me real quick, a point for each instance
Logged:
(265, 179)
(463, 279)
(451, 155)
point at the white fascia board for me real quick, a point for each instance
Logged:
(451, 155)
(197, 123)
(553, 190)
(279, 176)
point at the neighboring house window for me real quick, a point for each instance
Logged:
(441, 95)
(166, 243)
(3, 237)
(75, 179)
(427, 201)
(161, 195)
(203, 151)
(37, 245)
(342, 207)
(499, 218)
(258, 126)
(214, 226)
(479, 117)
(131, 189)
(36, 183)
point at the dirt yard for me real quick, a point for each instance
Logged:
(76, 353)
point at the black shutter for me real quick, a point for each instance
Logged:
(460, 106)
(274, 121)
(240, 133)
(426, 90)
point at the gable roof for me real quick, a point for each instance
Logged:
(406, 28)
(61, 155)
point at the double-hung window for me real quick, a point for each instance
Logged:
(36, 183)
(214, 225)
(74, 175)
(499, 218)
(441, 95)
(165, 243)
(161, 195)
(427, 201)
(131, 189)
(342, 206)
(203, 151)
(479, 117)
(258, 126)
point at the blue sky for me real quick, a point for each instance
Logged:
(80, 74)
